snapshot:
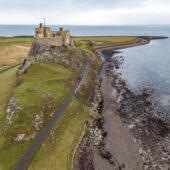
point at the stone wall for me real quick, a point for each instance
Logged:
(57, 41)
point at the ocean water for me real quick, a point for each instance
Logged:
(28, 30)
(146, 66)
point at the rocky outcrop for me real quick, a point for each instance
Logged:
(44, 52)
(11, 111)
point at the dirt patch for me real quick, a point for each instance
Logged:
(13, 55)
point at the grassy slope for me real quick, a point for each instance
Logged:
(13, 51)
(41, 79)
(7, 80)
(60, 141)
(44, 84)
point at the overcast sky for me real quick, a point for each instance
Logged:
(85, 12)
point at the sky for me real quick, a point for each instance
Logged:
(85, 12)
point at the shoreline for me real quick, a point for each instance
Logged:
(123, 142)
(119, 142)
(111, 49)
(122, 145)
(108, 51)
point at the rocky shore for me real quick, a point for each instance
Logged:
(144, 143)
(131, 136)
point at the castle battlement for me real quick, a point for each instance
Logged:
(61, 37)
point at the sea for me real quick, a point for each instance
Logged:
(146, 66)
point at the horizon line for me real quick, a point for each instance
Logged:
(90, 24)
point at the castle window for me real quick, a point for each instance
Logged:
(53, 35)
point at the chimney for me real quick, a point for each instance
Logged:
(41, 25)
(61, 29)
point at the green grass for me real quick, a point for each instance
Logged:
(59, 143)
(7, 80)
(44, 84)
(26, 41)
(83, 42)
(43, 79)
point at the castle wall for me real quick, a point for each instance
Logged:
(67, 40)
(54, 34)
(58, 41)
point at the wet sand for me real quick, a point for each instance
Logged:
(118, 141)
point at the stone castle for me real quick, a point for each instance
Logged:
(57, 38)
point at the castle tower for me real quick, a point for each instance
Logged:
(39, 32)
(41, 25)
(61, 29)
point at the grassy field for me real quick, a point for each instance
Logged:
(60, 141)
(23, 41)
(41, 89)
(84, 42)
(13, 51)
(44, 85)
(7, 80)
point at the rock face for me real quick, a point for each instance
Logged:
(44, 52)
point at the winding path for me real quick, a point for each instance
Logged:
(9, 68)
(33, 148)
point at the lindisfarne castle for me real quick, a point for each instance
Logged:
(57, 38)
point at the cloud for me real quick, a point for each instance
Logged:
(85, 12)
